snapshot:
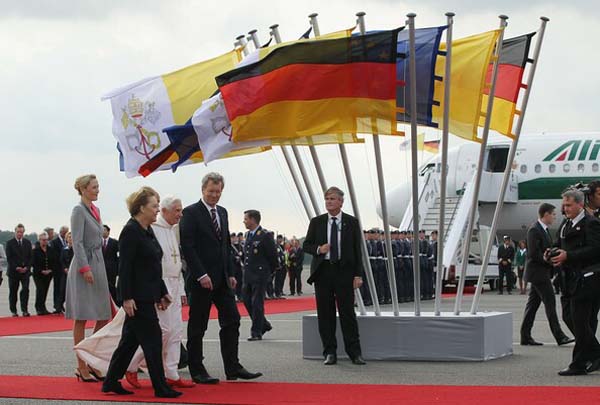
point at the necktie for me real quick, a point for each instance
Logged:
(334, 250)
(104, 245)
(568, 225)
(217, 228)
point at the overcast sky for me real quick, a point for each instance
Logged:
(59, 57)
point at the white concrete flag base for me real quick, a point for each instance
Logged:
(447, 337)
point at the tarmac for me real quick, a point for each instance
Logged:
(279, 355)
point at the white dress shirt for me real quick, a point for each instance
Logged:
(578, 218)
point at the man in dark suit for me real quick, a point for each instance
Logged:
(19, 258)
(578, 256)
(110, 252)
(538, 272)
(506, 254)
(206, 245)
(334, 241)
(59, 277)
(260, 261)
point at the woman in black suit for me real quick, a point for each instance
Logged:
(143, 291)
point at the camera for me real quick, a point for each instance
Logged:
(554, 252)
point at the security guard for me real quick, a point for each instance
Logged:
(260, 261)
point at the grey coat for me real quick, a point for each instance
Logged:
(87, 301)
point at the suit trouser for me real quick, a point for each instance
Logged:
(171, 325)
(143, 329)
(42, 284)
(269, 288)
(239, 278)
(580, 313)
(201, 301)
(504, 271)
(332, 287)
(409, 287)
(541, 292)
(254, 301)
(279, 281)
(295, 279)
(59, 285)
(13, 289)
(112, 286)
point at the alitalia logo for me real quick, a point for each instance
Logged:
(575, 150)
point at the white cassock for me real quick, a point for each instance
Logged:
(97, 349)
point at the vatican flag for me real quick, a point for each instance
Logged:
(141, 110)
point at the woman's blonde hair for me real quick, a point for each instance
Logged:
(82, 182)
(138, 199)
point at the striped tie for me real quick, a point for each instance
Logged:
(216, 226)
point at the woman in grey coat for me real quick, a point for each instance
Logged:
(87, 295)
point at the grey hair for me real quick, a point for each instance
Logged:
(213, 177)
(42, 234)
(334, 190)
(168, 202)
(64, 228)
(576, 195)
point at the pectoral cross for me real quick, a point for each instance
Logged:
(174, 255)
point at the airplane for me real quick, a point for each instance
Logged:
(545, 165)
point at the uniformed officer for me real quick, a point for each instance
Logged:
(237, 254)
(396, 248)
(384, 280)
(408, 251)
(373, 250)
(433, 257)
(364, 289)
(424, 269)
(260, 261)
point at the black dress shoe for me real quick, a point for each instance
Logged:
(26, 314)
(243, 374)
(14, 314)
(565, 340)
(116, 389)
(202, 376)
(168, 394)
(572, 371)
(267, 329)
(330, 360)
(594, 365)
(358, 360)
(254, 338)
(530, 342)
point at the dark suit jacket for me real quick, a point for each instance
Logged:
(111, 258)
(204, 253)
(48, 260)
(537, 270)
(582, 244)
(18, 257)
(140, 264)
(351, 252)
(260, 257)
(506, 254)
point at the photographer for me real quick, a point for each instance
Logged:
(592, 193)
(578, 254)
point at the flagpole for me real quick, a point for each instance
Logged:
(444, 171)
(477, 185)
(382, 196)
(311, 194)
(508, 168)
(286, 155)
(365, 253)
(414, 159)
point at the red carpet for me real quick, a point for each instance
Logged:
(10, 326)
(66, 388)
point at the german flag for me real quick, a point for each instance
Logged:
(336, 86)
(511, 66)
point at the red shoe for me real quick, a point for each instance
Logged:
(180, 383)
(132, 379)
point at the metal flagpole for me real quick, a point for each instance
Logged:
(414, 156)
(444, 172)
(484, 139)
(242, 41)
(275, 33)
(365, 256)
(508, 168)
(384, 211)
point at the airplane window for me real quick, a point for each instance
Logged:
(538, 168)
(595, 167)
(552, 168)
(523, 168)
(496, 160)
(566, 168)
(580, 167)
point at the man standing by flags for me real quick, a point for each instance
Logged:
(334, 240)
(206, 246)
(166, 230)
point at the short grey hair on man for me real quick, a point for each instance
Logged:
(576, 195)
(43, 235)
(213, 177)
(168, 202)
(334, 190)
